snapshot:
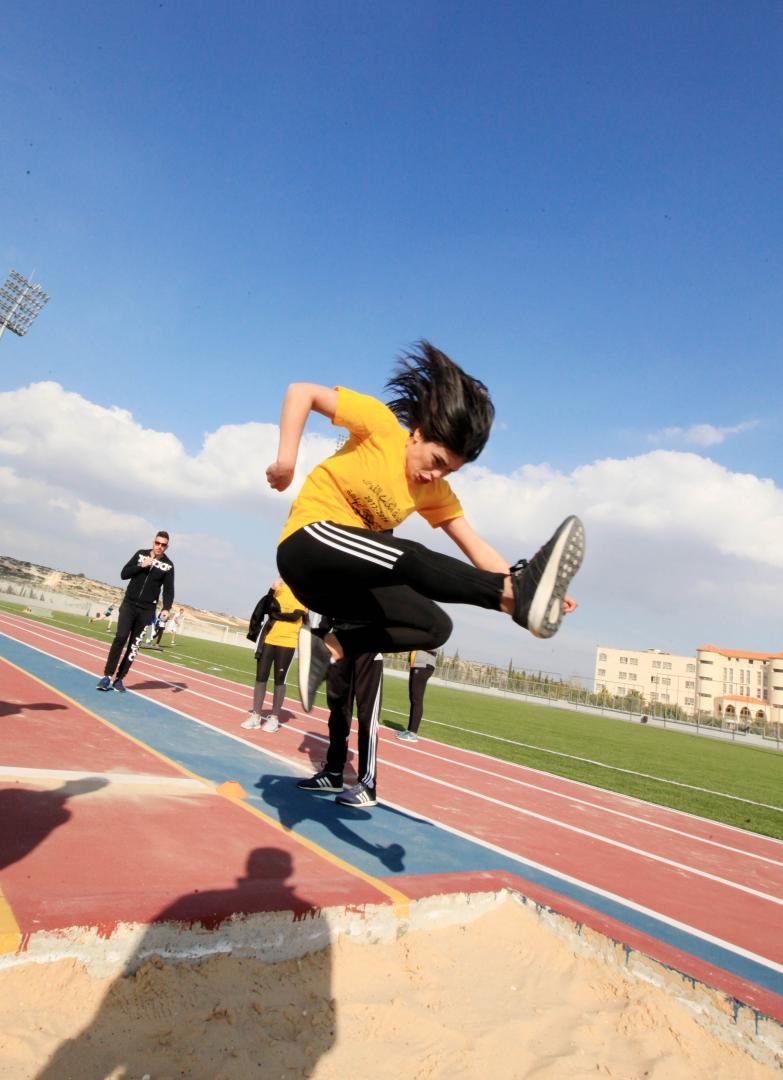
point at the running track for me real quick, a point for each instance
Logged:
(700, 897)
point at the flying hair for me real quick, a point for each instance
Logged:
(449, 406)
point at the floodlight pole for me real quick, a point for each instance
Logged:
(13, 294)
(10, 314)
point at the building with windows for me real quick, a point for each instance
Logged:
(740, 686)
(733, 684)
(654, 675)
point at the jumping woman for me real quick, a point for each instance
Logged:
(337, 552)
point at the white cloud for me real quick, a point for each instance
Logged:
(659, 495)
(103, 452)
(700, 434)
(680, 549)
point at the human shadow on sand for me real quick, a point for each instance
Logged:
(294, 806)
(28, 816)
(231, 1014)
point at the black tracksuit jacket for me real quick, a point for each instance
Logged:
(146, 581)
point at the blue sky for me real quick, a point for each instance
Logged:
(580, 202)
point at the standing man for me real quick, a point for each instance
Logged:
(358, 678)
(149, 571)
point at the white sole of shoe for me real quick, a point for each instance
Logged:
(546, 610)
(304, 648)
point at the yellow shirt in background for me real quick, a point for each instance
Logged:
(285, 633)
(364, 483)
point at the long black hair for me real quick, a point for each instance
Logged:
(449, 406)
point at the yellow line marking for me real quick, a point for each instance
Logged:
(10, 934)
(401, 902)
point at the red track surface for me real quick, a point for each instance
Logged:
(715, 880)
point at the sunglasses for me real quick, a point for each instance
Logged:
(160, 543)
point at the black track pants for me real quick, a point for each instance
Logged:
(132, 621)
(279, 656)
(359, 678)
(417, 684)
(385, 583)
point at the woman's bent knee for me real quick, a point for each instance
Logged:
(441, 628)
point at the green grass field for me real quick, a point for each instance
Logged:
(735, 784)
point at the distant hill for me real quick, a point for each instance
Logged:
(16, 575)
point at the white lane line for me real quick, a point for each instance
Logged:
(546, 750)
(636, 819)
(673, 863)
(137, 669)
(596, 890)
(507, 806)
(613, 768)
(181, 783)
(575, 799)
(703, 935)
(521, 810)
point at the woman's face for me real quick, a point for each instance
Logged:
(428, 461)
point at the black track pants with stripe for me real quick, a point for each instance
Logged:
(132, 621)
(357, 678)
(385, 584)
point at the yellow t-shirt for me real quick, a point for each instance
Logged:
(364, 483)
(285, 633)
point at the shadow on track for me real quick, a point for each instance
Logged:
(28, 816)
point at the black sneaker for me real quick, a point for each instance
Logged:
(540, 585)
(322, 781)
(359, 795)
(314, 661)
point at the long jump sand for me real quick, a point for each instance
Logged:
(502, 997)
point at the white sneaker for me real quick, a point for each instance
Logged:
(270, 724)
(253, 722)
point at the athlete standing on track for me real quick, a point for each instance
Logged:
(352, 679)
(422, 666)
(276, 646)
(332, 553)
(150, 571)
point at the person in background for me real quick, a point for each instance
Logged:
(275, 623)
(160, 625)
(422, 665)
(175, 624)
(358, 679)
(149, 572)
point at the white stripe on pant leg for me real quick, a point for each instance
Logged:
(357, 543)
(285, 673)
(347, 550)
(340, 531)
(369, 777)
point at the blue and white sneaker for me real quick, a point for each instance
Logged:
(407, 736)
(322, 781)
(104, 683)
(357, 796)
(119, 686)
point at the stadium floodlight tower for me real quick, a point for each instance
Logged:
(20, 303)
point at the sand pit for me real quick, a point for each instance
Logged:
(501, 997)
